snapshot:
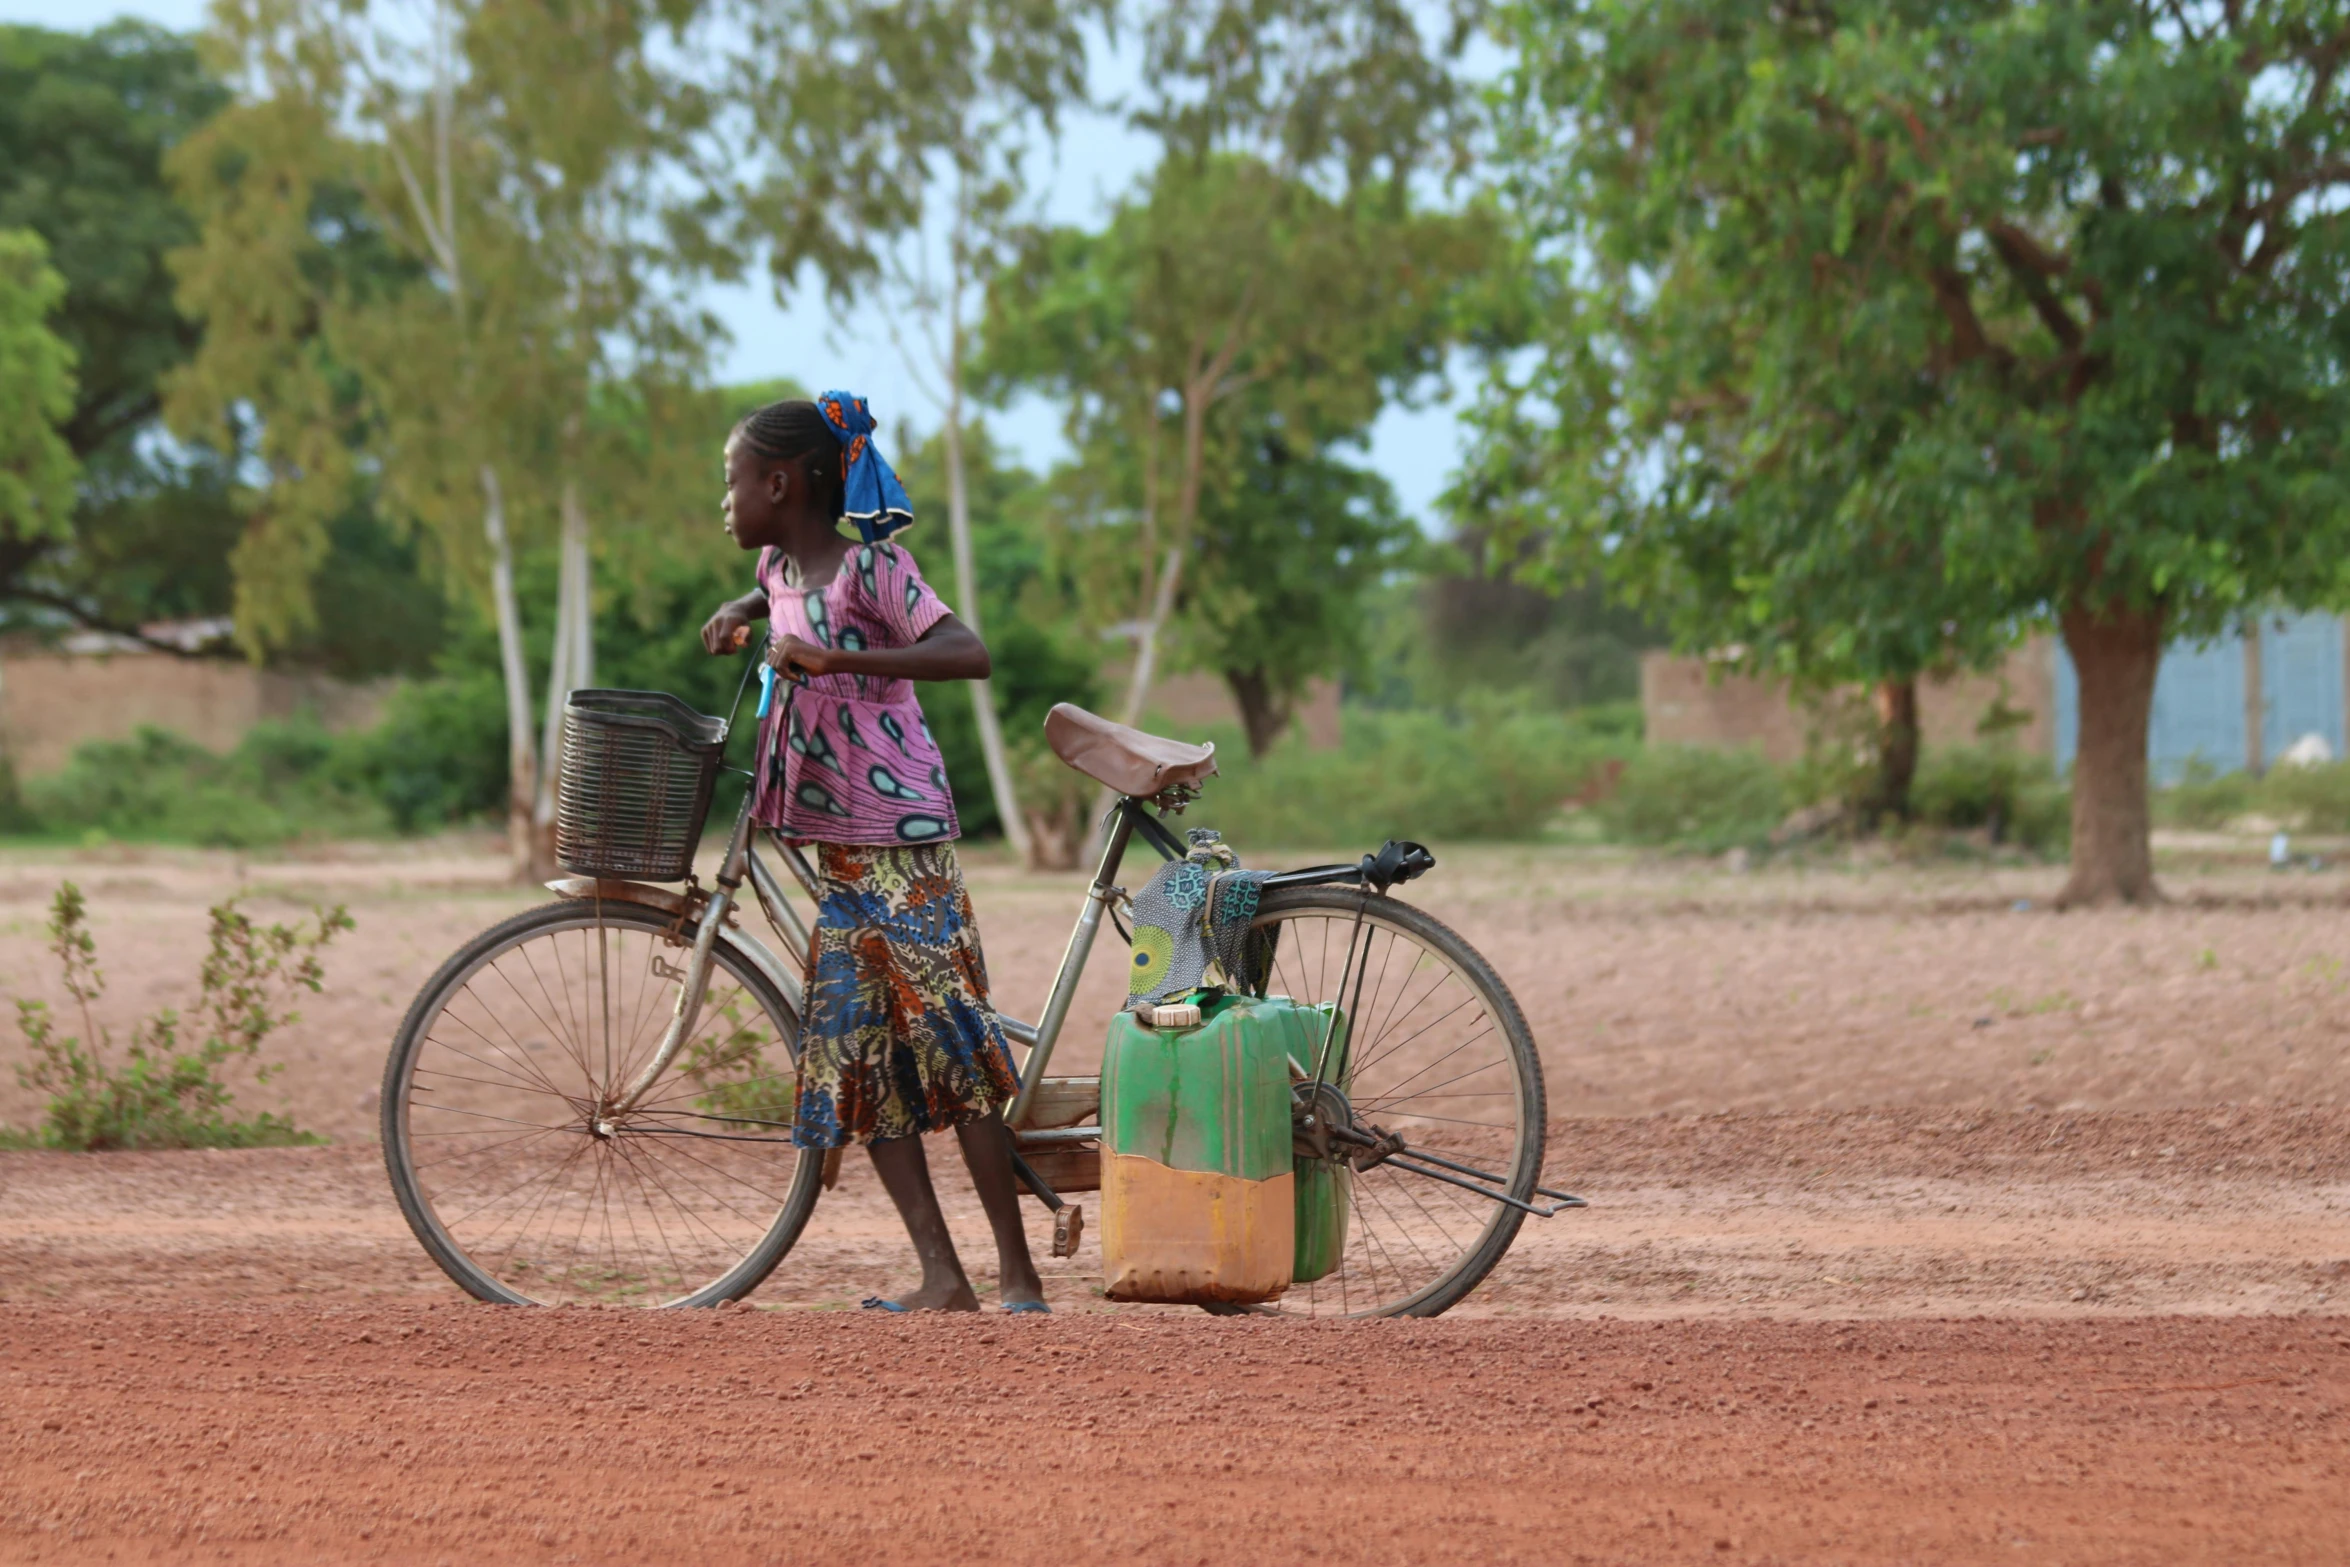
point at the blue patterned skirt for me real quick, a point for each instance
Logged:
(899, 1038)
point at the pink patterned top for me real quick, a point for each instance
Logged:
(859, 764)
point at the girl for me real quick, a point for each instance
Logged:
(899, 1038)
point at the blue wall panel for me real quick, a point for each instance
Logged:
(2199, 697)
(2301, 682)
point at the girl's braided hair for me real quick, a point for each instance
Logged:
(782, 432)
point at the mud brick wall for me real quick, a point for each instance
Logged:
(53, 702)
(1691, 701)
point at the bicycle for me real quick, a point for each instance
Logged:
(551, 1137)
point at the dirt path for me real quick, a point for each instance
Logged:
(242, 1434)
(1910, 1213)
(1650, 986)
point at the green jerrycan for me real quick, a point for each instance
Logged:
(1325, 1188)
(1198, 1194)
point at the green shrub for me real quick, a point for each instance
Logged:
(438, 754)
(2309, 799)
(159, 1095)
(2204, 797)
(1696, 798)
(281, 782)
(1490, 775)
(1993, 786)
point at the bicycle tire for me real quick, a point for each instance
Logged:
(1339, 907)
(479, 956)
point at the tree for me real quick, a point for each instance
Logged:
(85, 120)
(1288, 554)
(509, 166)
(1880, 335)
(1224, 296)
(37, 467)
(1291, 133)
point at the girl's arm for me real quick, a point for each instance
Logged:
(727, 631)
(949, 650)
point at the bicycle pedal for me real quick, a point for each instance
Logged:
(1068, 1227)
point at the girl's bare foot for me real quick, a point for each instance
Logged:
(945, 1295)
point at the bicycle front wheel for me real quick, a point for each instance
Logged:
(516, 1177)
(1435, 1050)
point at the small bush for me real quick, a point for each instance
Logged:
(2204, 797)
(1695, 798)
(160, 1095)
(285, 780)
(438, 754)
(1996, 787)
(1491, 774)
(2309, 799)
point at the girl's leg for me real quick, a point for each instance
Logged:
(905, 1175)
(987, 1149)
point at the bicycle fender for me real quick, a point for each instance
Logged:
(678, 907)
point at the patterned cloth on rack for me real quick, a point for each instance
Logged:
(1192, 918)
(899, 1037)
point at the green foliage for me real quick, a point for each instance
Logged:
(285, 780)
(37, 466)
(161, 1093)
(1998, 787)
(1464, 623)
(1872, 338)
(1696, 798)
(1288, 554)
(1493, 775)
(1227, 326)
(2309, 799)
(2205, 797)
(85, 121)
(437, 757)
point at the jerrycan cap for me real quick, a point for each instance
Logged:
(1175, 1014)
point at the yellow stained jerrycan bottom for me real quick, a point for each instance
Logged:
(1191, 1237)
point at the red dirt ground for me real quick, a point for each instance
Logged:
(457, 1434)
(1926, 1228)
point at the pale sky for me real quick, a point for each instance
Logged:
(1415, 448)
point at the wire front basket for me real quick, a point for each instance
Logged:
(638, 767)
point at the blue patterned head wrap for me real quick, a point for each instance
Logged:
(871, 496)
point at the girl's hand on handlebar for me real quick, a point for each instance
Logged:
(728, 631)
(796, 660)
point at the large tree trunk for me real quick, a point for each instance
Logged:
(1264, 713)
(2116, 655)
(522, 762)
(1897, 748)
(991, 734)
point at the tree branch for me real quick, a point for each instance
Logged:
(1968, 339)
(2032, 267)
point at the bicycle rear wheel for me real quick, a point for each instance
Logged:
(1438, 1052)
(519, 1183)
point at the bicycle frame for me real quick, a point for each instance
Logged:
(742, 862)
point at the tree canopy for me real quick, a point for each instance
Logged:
(37, 467)
(1876, 336)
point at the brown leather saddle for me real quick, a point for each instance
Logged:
(1127, 760)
